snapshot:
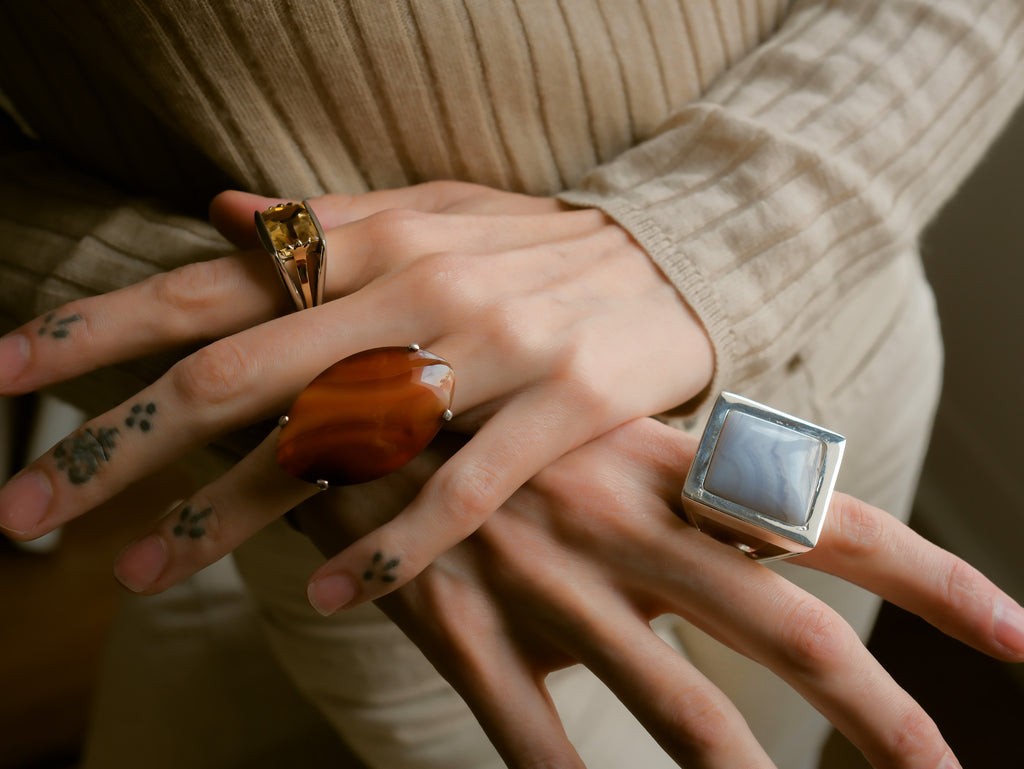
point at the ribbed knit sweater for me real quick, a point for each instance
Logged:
(769, 156)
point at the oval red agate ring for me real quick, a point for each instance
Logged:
(366, 416)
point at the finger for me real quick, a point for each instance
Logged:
(863, 545)
(226, 385)
(212, 522)
(387, 241)
(686, 713)
(472, 648)
(867, 546)
(186, 305)
(231, 212)
(216, 298)
(768, 619)
(531, 432)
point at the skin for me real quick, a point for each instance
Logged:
(551, 359)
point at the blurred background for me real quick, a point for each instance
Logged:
(57, 605)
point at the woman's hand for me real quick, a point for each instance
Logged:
(558, 326)
(576, 563)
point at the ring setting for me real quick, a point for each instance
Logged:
(366, 416)
(292, 235)
(762, 479)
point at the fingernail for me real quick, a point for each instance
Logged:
(13, 356)
(330, 593)
(1009, 627)
(141, 563)
(950, 762)
(24, 501)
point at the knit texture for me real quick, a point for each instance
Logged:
(769, 156)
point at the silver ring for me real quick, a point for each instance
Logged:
(762, 479)
(292, 235)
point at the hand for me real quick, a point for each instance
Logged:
(578, 561)
(559, 328)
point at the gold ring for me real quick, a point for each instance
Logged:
(292, 235)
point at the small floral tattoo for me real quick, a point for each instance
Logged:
(191, 522)
(381, 568)
(81, 455)
(58, 328)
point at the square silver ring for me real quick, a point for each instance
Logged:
(762, 479)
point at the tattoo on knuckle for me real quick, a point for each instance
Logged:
(381, 569)
(81, 455)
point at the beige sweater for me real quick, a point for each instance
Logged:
(770, 156)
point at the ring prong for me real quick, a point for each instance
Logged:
(282, 421)
(447, 415)
(414, 347)
(323, 485)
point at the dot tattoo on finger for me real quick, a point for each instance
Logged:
(141, 416)
(381, 568)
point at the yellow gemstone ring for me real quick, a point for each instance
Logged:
(295, 240)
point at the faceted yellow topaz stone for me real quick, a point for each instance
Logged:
(290, 228)
(292, 235)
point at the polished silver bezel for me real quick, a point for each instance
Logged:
(750, 526)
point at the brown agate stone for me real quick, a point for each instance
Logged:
(366, 416)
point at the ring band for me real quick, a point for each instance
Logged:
(292, 235)
(762, 479)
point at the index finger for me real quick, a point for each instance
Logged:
(187, 305)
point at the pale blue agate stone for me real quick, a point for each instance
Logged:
(765, 467)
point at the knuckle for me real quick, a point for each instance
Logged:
(694, 715)
(189, 289)
(72, 319)
(440, 284)
(960, 586)
(587, 396)
(860, 528)
(814, 637)
(916, 738)
(516, 329)
(86, 453)
(442, 274)
(471, 493)
(213, 374)
(396, 231)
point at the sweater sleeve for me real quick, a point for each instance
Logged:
(812, 162)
